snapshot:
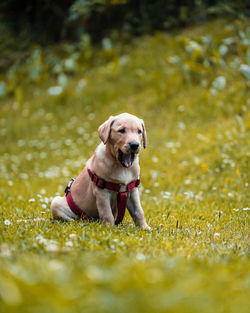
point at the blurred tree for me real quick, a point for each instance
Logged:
(55, 20)
(38, 20)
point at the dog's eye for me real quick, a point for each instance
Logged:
(139, 131)
(121, 131)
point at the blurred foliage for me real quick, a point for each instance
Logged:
(137, 17)
(192, 90)
(197, 59)
(45, 21)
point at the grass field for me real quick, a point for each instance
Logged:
(192, 90)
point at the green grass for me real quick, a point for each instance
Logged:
(195, 179)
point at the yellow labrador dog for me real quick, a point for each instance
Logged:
(108, 184)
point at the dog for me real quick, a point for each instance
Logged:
(109, 182)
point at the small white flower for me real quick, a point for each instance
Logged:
(245, 70)
(7, 222)
(170, 144)
(219, 83)
(81, 85)
(32, 200)
(24, 176)
(46, 200)
(236, 210)
(155, 159)
(181, 108)
(69, 244)
(216, 234)
(51, 247)
(44, 206)
(62, 80)
(40, 239)
(181, 125)
(246, 209)
(189, 194)
(55, 90)
(107, 44)
(73, 236)
(166, 195)
(140, 256)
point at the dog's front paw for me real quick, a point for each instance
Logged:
(146, 227)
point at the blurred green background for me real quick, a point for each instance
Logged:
(182, 66)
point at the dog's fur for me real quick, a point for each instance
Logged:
(116, 160)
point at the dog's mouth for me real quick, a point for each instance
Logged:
(126, 160)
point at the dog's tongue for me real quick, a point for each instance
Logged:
(127, 160)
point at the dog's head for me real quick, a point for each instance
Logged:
(124, 134)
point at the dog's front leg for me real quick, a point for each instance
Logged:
(135, 209)
(104, 208)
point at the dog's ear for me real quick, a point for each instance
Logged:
(105, 129)
(144, 134)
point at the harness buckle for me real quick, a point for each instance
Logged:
(137, 183)
(69, 186)
(103, 185)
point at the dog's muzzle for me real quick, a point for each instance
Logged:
(134, 147)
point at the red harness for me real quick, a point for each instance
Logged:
(103, 184)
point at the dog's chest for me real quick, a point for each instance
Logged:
(113, 202)
(122, 176)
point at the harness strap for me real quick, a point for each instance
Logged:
(74, 208)
(102, 183)
(121, 206)
(121, 196)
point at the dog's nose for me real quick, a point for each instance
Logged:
(134, 146)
